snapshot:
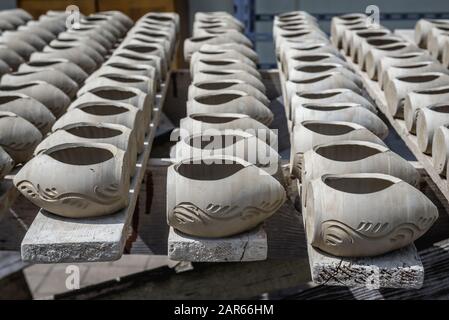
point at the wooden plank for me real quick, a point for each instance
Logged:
(54, 239)
(373, 89)
(8, 194)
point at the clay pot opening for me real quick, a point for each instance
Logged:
(353, 23)
(213, 118)
(346, 152)
(122, 79)
(216, 85)
(212, 170)
(209, 21)
(293, 35)
(312, 80)
(351, 17)
(140, 48)
(200, 39)
(17, 87)
(371, 34)
(125, 66)
(217, 62)
(315, 69)
(103, 109)
(408, 55)
(312, 47)
(93, 132)
(212, 142)
(434, 91)
(413, 66)
(81, 155)
(132, 57)
(23, 73)
(95, 18)
(295, 24)
(442, 28)
(441, 108)
(7, 99)
(325, 108)
(113, 94)
(43, 63)
(216, 73)
(61, 47)
(328, 129)
(288, 15)
(311, 58)
(160, 18)
(319, 95)
(381, 42)
(151, 34)
(299, 27)
(417, 79)
(218, 98)
(211, 52)
(68, 40)
(357, 185)
(393, 48)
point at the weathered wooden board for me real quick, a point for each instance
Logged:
(53, 239)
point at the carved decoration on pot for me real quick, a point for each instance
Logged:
(6, 163)
(397, 89)
(440, 149)
(196, 208)
(418, 99)
(342, 112)
(106, 112)
(51, 76)
(29, 109)
(427, 121)
(377, 223)
(18, 137)
(87, 132)
(53, 98)
(95, 180)
(230, 101)
(308, 134)
(220, 86)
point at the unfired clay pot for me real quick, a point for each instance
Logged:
(10, 57)
(72, 54)
(418, 99)
(397, 89)
(125, 68)
(225, 54)
(219, 86)
(29, 109)
(20, 48)
(214, 75)
(398, 59)
(142, 83)
(342, 112)
(292, 49)
(305, 71)
(427, 121)
(77, 180)
(69, 68)
(53, 98)
(6, 163)
(423, 27)
(18, 137)
(106, 112)
(115, 134)
(138, 60)
(311, 59)
(340, 23)
(231, 101)
(196, 208)
(376, 223)
(51, 76)
(31, 39)
(222, 64)
(244, 50)
(308, 134)
(440, 149)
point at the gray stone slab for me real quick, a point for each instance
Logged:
(249, 246)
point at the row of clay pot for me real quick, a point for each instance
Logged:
(94, 145)
(346, 171)
(25, 113)
(224, 140)
(415, 83)
(433, 35)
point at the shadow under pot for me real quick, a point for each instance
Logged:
(214, 75)
(231, 102)
(77, 180)
(202, 122)
(106, 112)
(373, 221)
(121, 95)
(309, 134)
(65, 66)
(341, 157)
(343, 112)
(51, 76)
(234, 143)
(205, 198)
(427, 121)
(6, 163)
(86, 132)
(18, 137)
(74, 55)
(10, 57)
(53, 98)
(29, 109)
(440, 149)
(142, 83)
(219, 86)
(397, 89)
